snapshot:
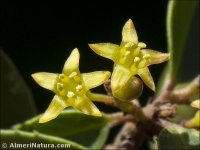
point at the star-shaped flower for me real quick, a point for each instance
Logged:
(130, 58)
(71, 88)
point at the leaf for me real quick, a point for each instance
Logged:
(87, 130)
(10, 137)
(179, 21)
(179, 139)
(16, 98)
(183, 43)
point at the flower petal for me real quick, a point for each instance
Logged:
(54, 109)
(119, 78)
(83, 104)
(196, 104)
(72, 62)
(95, 79)
(154, 57)
(129, 33)
(46, 80)
(107, 50)
(194, 122)
(145, 74)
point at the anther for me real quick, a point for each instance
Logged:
(79, 88)
(70, 94)
(59, 86)
(61, 76)
(142, 45)
(136, 59)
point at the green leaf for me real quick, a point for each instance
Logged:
(16, 98)
(179, 21)
(10, 137)
(87, 130)
(179, 138)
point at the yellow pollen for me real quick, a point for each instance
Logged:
(70, 94)
(146, 56)
(142, 45)
(136, 59)
(79, 88)
(72, 74)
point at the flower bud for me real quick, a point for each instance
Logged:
(131, 90)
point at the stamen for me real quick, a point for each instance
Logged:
(122, 60)
(59, 86)
(70, 94)
(72, 74)
(136, 52)
(134, 68)
(127, 53)
(79, 88)
(77, 79)
(146, 56)
(142, 45)
(61, 76)
(122, 51)
(136, 59)
(60, 89)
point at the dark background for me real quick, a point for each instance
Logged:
(40, 36)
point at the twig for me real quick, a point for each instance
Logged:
(119, 118)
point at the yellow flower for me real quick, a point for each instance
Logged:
(71, 88)
(130, 58)
(195, 121)
(196, 104)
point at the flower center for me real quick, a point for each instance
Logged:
(131, 56)
(69, 86)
